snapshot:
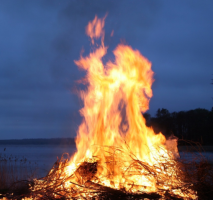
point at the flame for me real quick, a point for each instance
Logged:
(94, 29)
(117, 94)
(113, 141)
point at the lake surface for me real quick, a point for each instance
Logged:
(196, 156)
(37, 157)
(42, 157)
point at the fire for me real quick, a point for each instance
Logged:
(115, 148)
(117, 94)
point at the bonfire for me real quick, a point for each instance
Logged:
(118, 156)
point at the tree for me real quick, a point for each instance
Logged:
(162, 113)
(212, 83)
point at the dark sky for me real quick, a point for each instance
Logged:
(40, 39)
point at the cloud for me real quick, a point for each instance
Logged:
(41, 39)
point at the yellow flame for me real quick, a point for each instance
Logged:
(113, 139)
(117, 94)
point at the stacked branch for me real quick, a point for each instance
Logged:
(170, 180)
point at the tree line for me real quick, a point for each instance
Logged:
(194, 125)
(39, 141)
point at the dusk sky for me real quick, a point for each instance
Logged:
(40, 39)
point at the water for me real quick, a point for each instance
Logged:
(42, 157)
(36, 157)
(196, 156)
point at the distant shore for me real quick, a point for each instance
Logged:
(39, 141)
(71, 141)
(205, 148)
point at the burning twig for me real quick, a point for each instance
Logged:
(84, 182)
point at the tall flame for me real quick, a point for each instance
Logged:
(117, 94)
(113, 135)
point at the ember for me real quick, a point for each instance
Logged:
(117, 156)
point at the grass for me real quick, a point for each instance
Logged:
(15, 175)
(200, 172)
(198, 168)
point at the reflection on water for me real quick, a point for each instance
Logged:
(39, 157)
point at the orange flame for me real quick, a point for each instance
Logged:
(94, 29)
(113, 132)
(118, 92)
(122, 86)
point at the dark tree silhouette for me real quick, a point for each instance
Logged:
(212, 84)
(195, 125)
(212, 81)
